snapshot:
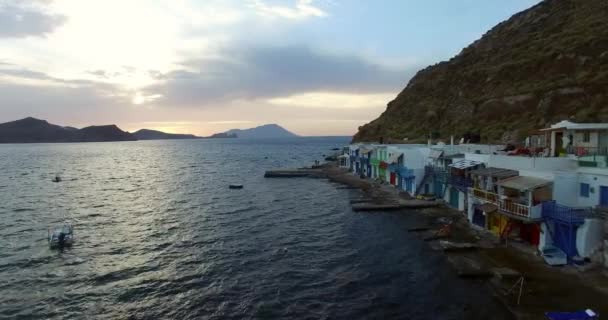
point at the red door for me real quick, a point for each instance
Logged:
(393, 178)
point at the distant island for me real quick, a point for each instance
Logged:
(262, 132)
(147, 134)
(32, 130)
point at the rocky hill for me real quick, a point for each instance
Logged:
(147, 134)
(543, 65)
(31, 130)
(262, 132)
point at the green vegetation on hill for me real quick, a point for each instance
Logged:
(543, 65)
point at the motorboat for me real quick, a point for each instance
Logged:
(235, 186)
(56, 179)
(61, 237)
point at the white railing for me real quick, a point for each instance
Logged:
(508, 206)
(486, 195)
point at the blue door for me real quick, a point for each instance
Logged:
(479, 218)
(438, 188)
(603, 196)
(426, 188)
(454, 198)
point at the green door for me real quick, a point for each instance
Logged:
(454, 198)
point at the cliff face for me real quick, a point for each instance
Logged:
(543, 65)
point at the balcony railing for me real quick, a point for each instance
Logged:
(587, 151)
(460, 182)
(514, 208)
(486, 195)
(508, 206)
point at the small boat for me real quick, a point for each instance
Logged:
(235, 186)
(56, 179)
(579, 315)
(554, 256)
(61, 237)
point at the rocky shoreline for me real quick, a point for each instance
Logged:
(516, 275)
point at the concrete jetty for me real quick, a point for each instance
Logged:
(292, 173)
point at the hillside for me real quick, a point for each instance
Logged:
(147, 134)
(543, 65)
(31, 130)
(262, 132)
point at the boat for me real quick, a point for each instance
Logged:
(579, 315)
(56, 179)
(61, 237)
(235, 186)
(554, 256)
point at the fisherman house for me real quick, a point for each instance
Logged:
(551, 193)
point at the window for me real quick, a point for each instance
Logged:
(585, 190)
(586, 137)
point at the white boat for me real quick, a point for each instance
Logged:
(61, 237)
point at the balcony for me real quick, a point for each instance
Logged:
(485, 195)
(440, 174)
(587, 151)
(509, 207)
(460, 182)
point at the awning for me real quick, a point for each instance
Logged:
(464, 164)
(394, 158)
(436, 154)
(364, 151)
(343, 157)
(487, 207)
(523, 183)
(495, 172)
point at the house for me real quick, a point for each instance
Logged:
(588, 142)
(436, 170)
(520, 203)
(483, 195)
(572, 222)
(458, 183)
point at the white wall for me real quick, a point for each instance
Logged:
(596, 178)
(589, 237)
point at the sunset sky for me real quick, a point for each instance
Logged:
(320, 67)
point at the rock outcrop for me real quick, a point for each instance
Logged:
(543, 65)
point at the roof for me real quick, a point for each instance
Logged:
(464, 164)
(522, 183)
(436, 154)
(495, 172)
(364, 151)
(487, 207)
(454, 156)
(568, 125)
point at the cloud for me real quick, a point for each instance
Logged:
(24, 92)
(302, 9)
(333, 100)
(27, 18)
(270, 72)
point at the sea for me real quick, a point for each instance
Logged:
(159, 235)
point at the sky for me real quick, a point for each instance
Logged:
(315, 67)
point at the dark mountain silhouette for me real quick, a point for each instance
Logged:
(223, 135)
(265, 131)
(31, 130)
(103, 133)
(147, 134)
